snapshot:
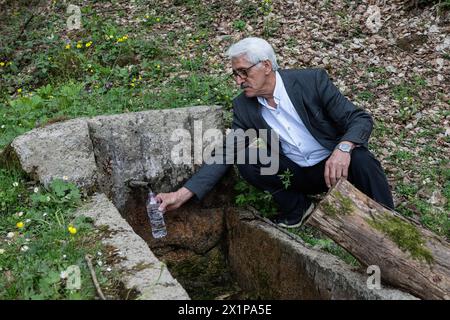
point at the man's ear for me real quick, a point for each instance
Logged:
(267, 66)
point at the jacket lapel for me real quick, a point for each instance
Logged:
(255, 109)
(295, 93)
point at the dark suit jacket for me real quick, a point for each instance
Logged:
(328, 115)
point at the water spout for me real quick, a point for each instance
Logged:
(139, 184)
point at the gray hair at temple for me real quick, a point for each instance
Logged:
(255, 50)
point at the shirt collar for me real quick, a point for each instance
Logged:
(277, 92)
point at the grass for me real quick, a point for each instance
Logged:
(42, 240)
(319, 241)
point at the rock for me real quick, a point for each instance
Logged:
(58, 150)
(105, 152)
(138, 146)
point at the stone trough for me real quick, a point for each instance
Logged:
(213, 250)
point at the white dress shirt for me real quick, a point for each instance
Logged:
(297, 142)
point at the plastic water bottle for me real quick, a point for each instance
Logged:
(156, 217)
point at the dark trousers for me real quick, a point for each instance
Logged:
(364, 172)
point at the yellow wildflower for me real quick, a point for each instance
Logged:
(19, 90)
(2, 64)
(79, 45)
(88, 44)
(67, 46)
(20, 225)
(158, 19)
(72, 230)
(132, 84)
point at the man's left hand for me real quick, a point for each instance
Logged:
(337, 166)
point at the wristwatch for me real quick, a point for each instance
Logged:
(344, 147)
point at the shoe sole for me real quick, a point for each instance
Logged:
(307, 213)
(302, 220)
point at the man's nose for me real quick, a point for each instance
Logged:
(239, 80)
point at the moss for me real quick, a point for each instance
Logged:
(142, 266)
(345, 202)
(264, 290)
(328, 208)
(404, 234)
(10, 160)
(203, 276)
(345, 205)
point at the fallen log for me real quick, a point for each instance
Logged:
(409, 256)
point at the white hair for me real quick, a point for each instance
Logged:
(255, 50)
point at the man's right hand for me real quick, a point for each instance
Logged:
(173, 200)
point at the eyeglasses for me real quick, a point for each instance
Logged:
(243, 73)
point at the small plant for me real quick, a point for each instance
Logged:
(59, 192)
(270, 26)
(265, 7)
(260, 200)
(239, 25)
(286, 178)
(249, 8)
(366, 95)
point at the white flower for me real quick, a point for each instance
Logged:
(27, 240)
(65, 178)
(48, 198)
(64, 256)
(108, 269)
(99, 253)
(100, 263)
(45, 214)
(63, 275)
(15, 184)
(24, 249)
(10, 235)
(19, 214)
(36, 190)
(28, 220)
(2, 251)
(3, 126)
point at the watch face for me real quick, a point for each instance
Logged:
(345, 147)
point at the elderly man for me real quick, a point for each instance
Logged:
(322, 136)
